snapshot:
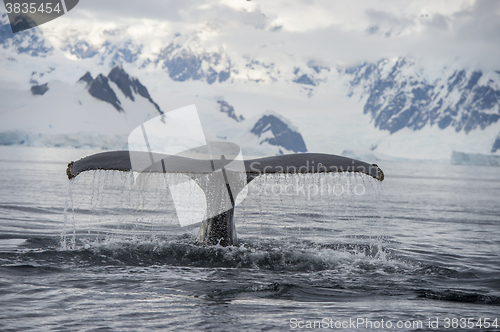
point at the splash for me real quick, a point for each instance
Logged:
(316, 207)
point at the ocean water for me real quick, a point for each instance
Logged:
(418, 252)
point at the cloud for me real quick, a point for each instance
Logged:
(119, 10)
(388, 23)
(465, 32)
(347, 32)
(470, 36)
(480, 22)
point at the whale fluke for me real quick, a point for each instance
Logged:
(292, 163)
(311, 163)
(219, 179)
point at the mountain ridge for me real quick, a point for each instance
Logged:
(396, 94)
(102, 111)
(99, 87)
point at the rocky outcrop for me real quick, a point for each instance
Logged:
(281, 133)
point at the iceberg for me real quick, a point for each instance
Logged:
(464, 158)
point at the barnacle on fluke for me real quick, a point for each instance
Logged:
(380, 175)
(68, 170)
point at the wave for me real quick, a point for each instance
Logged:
(252, 253)
(309, 270)
(459, 296)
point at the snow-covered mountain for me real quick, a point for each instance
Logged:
(102, 111)
(397, 107)
(98, 112)
(130, 87)
(229, 110)
(31, 42)
(399, 94)
(280, 132)
(265, 134)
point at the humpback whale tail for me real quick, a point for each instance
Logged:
(221, 179)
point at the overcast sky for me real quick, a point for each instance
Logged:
(332, 31)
